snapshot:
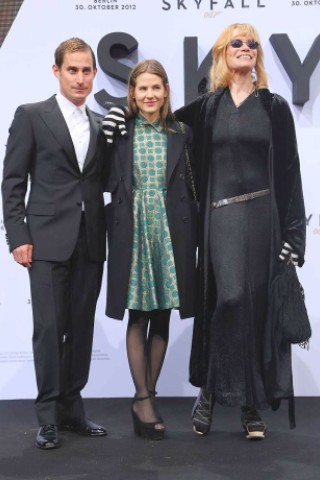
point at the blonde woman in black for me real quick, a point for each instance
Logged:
(252, 217)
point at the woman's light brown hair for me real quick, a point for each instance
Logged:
(154, 67)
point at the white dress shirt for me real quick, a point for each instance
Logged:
(78, 125)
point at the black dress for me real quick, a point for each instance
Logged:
(239, 246)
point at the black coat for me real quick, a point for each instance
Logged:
(182, 219)
(288, 224)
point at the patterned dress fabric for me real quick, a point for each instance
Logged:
(153, 280)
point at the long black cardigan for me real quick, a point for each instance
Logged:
(288, 225)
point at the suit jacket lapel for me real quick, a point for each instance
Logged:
(94, 130)
(55, 121)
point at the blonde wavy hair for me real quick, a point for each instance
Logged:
(220, 74)
(154, 67)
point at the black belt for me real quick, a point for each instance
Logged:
(240, 198)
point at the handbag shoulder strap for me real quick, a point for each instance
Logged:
(188, 163)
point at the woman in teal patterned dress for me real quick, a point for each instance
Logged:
(152, 234)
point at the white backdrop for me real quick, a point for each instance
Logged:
(159, 27)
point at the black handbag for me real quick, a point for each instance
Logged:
(288, 307)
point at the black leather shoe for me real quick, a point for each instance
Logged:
(47, 437)
(83, 426)
(253, 424)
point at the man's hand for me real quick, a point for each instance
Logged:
(23, 255)
(115, 119)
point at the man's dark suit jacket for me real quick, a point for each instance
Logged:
(40, 149)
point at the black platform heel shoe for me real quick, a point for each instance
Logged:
(202, 413)
(145, 429)
(253, 424)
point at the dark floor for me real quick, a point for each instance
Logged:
(224, 454)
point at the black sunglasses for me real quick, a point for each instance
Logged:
(237, 43)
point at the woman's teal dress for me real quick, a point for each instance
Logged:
(153, 280)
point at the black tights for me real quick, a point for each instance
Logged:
(147, 342)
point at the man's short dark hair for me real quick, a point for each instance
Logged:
(69, 46)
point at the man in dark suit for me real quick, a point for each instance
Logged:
(59, 235)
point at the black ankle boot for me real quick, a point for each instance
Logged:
(202, 413)
(253, 424)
